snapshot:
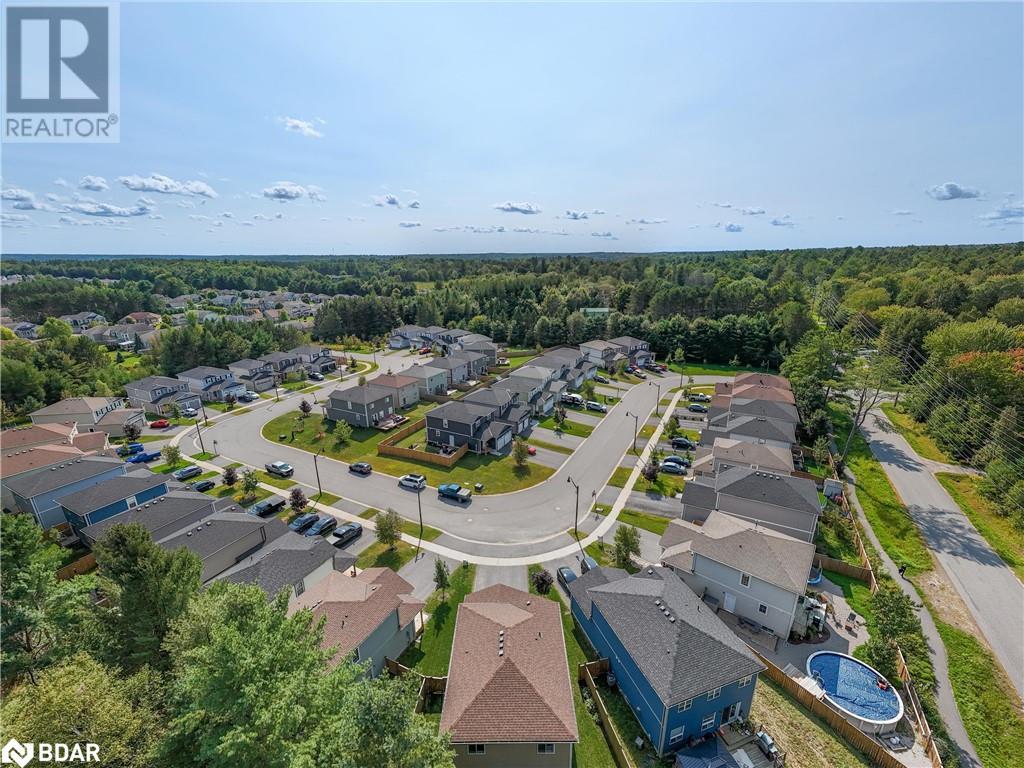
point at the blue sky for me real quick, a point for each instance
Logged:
(407, 128)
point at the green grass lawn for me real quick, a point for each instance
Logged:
(998, 530)
(628, 728)
(498, 474)
(988, 704)
(857, 593)
(654, 523)
(646, 432)
(295, 386)
(205, 456)
(278, 482)
(664, 485)
(835, 536)
(712, 369)
(568, 426)
(915, 434)
(518, 360)
(326, 498)
(222, 491)
(166, 469)
(408, 527)
(430, 656)
(896, 531)
(378, 555)
(550, 446)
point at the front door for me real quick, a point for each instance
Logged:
(732, 712)
(729, 603)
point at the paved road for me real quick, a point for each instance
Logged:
(990, 589)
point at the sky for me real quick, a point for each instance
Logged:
(329, 128)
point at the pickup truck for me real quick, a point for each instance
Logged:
(130, 449)
(454, 491)
(279, 468)
(144, 458)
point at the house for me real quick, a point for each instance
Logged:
(726, 453)
(161, 394)
(783, 503)
(225, 300)
(459, 423)
(82, 320)
(22, 438)
(212, 384)
(36, 493)
(92, 414)
(724, 408)
(449, 338)
(680, 669)
(601, 353)
(761, 379)
(636, 350)
(21, 462)
(370, 616)
(486, 347)
(181, 303)
(751, 429)
(429, 335)
(151, 318)
(508, 699)
(456, 370)
(256, 375)
(537, 387)
(406, 336)
(26, 330)
(476, 362)
(430, 379)
(568, 364)
(293, 563)
(285, 365)
(161, 516)
(298, 309)
(364, 406)
(405, 389)
(755, 391)
(112, 497)
(205, 315)
(746, 569)
(505, 406)
(315, 358)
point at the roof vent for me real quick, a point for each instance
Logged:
(672, 619)
(650, 571)
(657, 602)
(188, 534)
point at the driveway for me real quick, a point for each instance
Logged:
(991, 591)
(420, 572)
(509, 575)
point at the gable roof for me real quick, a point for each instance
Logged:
(766, 554)
(460, 411)
(367, 393)
(762, 455)
(76, 469)
(767, 379)
(109, 491)
(14, 462)
(354, 606)
(508, 680)
(769, 409)
(202, 371)
(285, 562)
(395, 381)
(423, 371)
(75, 405)
(448, 363)
(770, 488)
(679, 645)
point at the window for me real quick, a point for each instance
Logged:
(708, 722)
(745, 681)
(684, 705)
(745, 579)
(762, 608)
(675, 734)
(132, 502)
(299, 587)
(545, 749)
(475, 749)
(712, 695)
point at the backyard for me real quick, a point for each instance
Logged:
(430, 656)
(499, 474)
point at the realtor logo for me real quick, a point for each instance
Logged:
(16, 752)
(60, 73)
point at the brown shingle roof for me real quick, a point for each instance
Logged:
(16, 462)
(11, 439)
(761, 378)
(509, 679)
(395, 381)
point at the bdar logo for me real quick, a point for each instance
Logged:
(16, 752)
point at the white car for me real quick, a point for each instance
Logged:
(416, 482)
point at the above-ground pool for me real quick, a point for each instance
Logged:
(858, 691)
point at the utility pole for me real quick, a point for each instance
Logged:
(657, 407)
(576, 520)
(419, 507)
(316, 468)
(636, 428)
(199, 432)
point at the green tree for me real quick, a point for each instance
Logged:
(865, 384)
(53, 329)
(520, 452)
(132, 431)
(821, 451)
(542, 581)
(230, 476)
(40, 613)
(442, 576)
(627, 545)
(297, 500)
(306, 407)
(342, 433)
(389, 528)
(250, 483)
(147, 587)
(588, 390)
(172, 455)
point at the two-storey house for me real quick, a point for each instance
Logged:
(636, 350)
(430, 379)
(160, 395)
(36, 493)
(212, 384)
(286, 365)
(315, 358)
(405, 389)
(112, 497)
(91, 414)
(255, 375)
(364, 406)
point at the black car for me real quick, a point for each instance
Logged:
(343, 534)
(301, 523)
(566, 575)
(684, 443)
(696, 408)
(360, 468)
(203, 485)
(601, 379)
(324, 525)
(269, 506)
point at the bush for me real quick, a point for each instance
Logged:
(542, 581)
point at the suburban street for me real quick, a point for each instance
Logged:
(992, 592)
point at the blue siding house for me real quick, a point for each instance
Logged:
(681, 670)
(111, 497)
(37, 494)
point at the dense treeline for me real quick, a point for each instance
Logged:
(43, 297)
(221, 343)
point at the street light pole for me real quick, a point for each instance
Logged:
(657, 407)
(199, 432)
(636, 428)
(419, 507)
(576, 520)
(316, 468)
(215, 448)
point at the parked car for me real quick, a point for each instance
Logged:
(203, 485)
(189, 412)
(671, 468)
(343, 534)
(159, 424)
(416, 482)
(130, 449)
(587, 564)
(639, 374)
(186, 472)
(360, 468)
(454, 491)
(425, 350)
(697, 408)
(601, 379)
(565, 576)
(280, 468)
(269, 506)
(683, 443)
(248, 397)
(531, 450)
(681, 460)
(700, 397)
(144, 457)
(316, 376)
(323, 526)
(593, 405)
(302, 523)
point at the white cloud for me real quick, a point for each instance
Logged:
(409, 224)
(246, 224)
(597, 212)
(165, 185)
(729, 227)
(509, 207)
(951, 191)
(92, 208)
(17, 194)
(303, 127)
(722, 205)
(285, 191)
(31, 205)
(604, 235)
(473, 229)
(414, 204)
(646, 221)
(902, 212)
(753, 211)
(785, 221)
(14, 218)
(227, 215)
(1010, 210)
(575, 215)
(386, 200)
(260, 217)
(61, 182)
(93, 183)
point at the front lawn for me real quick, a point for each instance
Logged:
(654, 523)
(408, 527)
(222, 491)
(713, 369)
(378, 555)
(998, 530)
(550, 446)
(915, 434)
(499, 474)
(430, 656)
(663, 485)
(278, 482)
(326, 498)
(568, 426)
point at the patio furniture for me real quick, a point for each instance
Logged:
(850, 625)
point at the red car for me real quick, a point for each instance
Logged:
(160, 424)
(425, 350)
(531, 450)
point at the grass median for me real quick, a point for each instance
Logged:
(998, 530)
(916, 434)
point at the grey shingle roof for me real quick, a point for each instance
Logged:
(770, 488)
(681, 659)
(58, 476)
(770, 409)
(285, 562)
(422, 371)
(164, 515)
(202, 371)
(151, 383)
(218, 530)
(699, 495)
(448, 363)
(460, 411)
(109, 491)
(362, 395)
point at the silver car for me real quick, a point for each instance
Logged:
(413, 481)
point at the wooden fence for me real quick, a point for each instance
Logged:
(846, 569)
(82, 565)
(387, 447)
(619, 752)
(429, 686)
